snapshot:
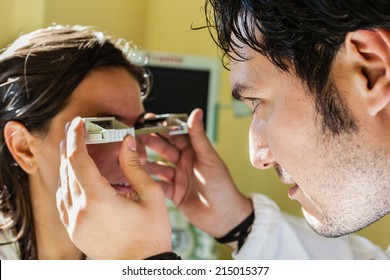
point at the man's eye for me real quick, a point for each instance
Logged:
(255, 102)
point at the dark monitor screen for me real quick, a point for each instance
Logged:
(177, 90)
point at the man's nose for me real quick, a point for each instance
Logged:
(264, 159)
(260, 153)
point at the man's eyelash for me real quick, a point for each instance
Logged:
(255, 102)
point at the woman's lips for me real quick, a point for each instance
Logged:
(123, 187)
(125, 190)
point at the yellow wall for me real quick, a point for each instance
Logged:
(121, 18)
(18, 16)
(164, 25)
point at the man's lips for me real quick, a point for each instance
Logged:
(293, 191)
(286, 178)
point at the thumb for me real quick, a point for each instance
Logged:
(199, 140)
(81, 164)
(135, 173)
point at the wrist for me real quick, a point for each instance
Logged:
(237, 236)
(165, 256)
(233, 232)
(229, 220)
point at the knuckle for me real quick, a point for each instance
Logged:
(63, 165)
(72, 159)
(74, 156)
(133, 163)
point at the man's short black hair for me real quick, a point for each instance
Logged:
(301, 36)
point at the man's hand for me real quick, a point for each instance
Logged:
(102, 223)
(198, 181)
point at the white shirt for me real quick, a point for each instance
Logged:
(276, 235)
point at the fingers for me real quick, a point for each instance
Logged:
(80, 175)
(69, 189)
(174, 187)
(161, 170)
(149, 115)
(170, 147)
(162, 146)
(168, 189)
(199, 140)
(141, 150)
(173, 193)
(62, 209)
(135, 173)
(75, 142)
(179, 141)
(83, 174)
(64, 187)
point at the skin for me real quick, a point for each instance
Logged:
(199, 183)
(338, 180)
(94, 212)
(196, 162)
(341, 181)
(105, 92)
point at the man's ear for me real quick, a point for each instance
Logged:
(16, 138)
(370, 52)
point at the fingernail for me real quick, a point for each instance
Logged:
(131, 144)
(76, 121)
(67, 125)
(72, 123)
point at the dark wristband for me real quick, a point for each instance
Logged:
(165, 256)
(239, 233)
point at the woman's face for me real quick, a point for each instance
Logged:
(104, 92)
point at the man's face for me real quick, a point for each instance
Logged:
(340, 181)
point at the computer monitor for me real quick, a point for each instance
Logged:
(182, 83)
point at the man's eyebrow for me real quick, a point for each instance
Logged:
(237, 91)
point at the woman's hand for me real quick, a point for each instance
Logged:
(102, 223)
